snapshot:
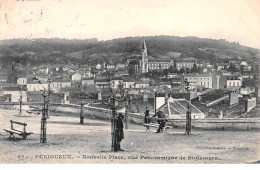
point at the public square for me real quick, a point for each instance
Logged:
(91, 143)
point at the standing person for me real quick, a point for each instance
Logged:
(147, 118)
(161, 121)
(119, 132)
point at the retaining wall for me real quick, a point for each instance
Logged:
(206, 124)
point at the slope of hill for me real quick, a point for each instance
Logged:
(58, 51)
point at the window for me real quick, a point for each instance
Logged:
(237, 83)
(229, 83)
(234, 83)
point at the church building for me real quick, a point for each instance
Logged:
(143, 65)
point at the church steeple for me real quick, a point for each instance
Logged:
(144, 45)
(144, 61)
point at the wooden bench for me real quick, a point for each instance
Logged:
(156, 126)
(13, 131)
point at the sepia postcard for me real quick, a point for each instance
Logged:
(129, 82)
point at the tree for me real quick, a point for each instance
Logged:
(173, 68)
(182, 70)
(60, 70)
(131, 70)
(242, 69)
(232, 68)
(194, 68)
(165, 72)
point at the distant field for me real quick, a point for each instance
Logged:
(173, 54)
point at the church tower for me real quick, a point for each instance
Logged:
(144, 62)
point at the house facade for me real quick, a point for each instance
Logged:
(59, 84)
(199, 80)
(233, 82)
(115, 83)
(88, 82)
(76, 77)
(22, 81)
(129, 84)
(102, 84)
(15, 94)
(141, 84)
(36, 86)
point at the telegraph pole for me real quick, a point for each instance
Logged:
(81, 121)
(48, 99)
(155, 95)
(43, 138)
(20, 102)
(188, 113)
(188, 117)
(126, 117)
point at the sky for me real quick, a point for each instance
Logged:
(233, 20)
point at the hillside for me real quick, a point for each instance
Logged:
(62, 51)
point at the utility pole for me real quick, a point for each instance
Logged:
(81, 121)
(13, 70)
(126, 117)
(155, 94)
(48, 99)
(188, 113)
(188, 117)
(20, 102)
(43, 138)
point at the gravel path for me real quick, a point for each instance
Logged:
(70, 142)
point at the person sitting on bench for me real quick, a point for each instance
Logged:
(147, 118)
(161, 121)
